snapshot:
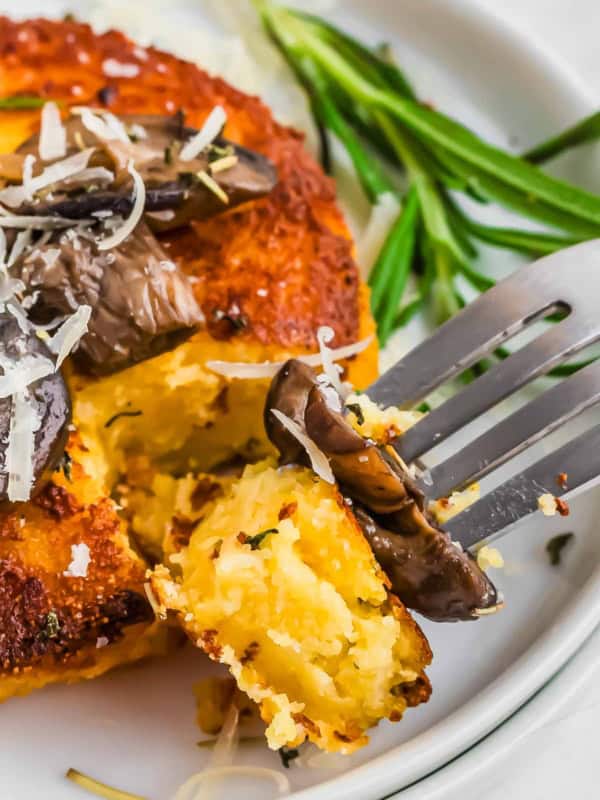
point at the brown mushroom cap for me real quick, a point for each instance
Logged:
(427, 570)
(171, 184)
(49, 396)
(142, 304)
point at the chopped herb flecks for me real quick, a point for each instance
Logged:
(287, 755)
(120, 414)
(21, 102)
(52, 626)
(256, 540)
(65, 464)
(556, 545)
(356, 409)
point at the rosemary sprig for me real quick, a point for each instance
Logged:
(362, 96)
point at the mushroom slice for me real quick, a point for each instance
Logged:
(48, 398)
(142, 302)
(221, 177)
(428, 571)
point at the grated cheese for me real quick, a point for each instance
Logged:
(92, 175)
(19, 375)
(139, 201)
(268, 369)
(13, 196)
(38, 223)
(53, 136)
(70, 332)
(28, 176)
(332, 371)
(22, 240)
(318, 459)
(195, 787)
(24, 423)
(116, 69)
(80, 561)
(547, 504)
(206, 135)
(489, 557)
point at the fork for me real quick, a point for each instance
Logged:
(567, 281)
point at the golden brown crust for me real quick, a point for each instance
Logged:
(45, 614)
(293, 245)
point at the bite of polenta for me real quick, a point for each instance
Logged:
(279, 584)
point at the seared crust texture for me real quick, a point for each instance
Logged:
(271, 272)
(54, 623)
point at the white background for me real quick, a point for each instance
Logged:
(560, 758)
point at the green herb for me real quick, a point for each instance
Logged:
(168, 155)
(21, 102)
(287, 755)
(65, 464)
(356, 409)
(556, 545)
(588, 130)
(256, 540)
(362, 97)
(51, 626)
(98, 788)
(111, 420)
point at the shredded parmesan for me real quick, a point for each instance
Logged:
(38, 223)
(268, 369)
(194, 788)
(18, 376)
(13, 196)
(53, 137)
(318, 459)
(24, 423)
(104, 125)
(547, 504)
(92, 175)
(80, 561)
(22, 240)
(70, 332)
(28, 176)
(139, 201)
(489, 557)
(325, 335)
(115, 69)
(206, 135)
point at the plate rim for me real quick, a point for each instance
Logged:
(540, 663)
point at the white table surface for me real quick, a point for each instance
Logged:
(558, 757)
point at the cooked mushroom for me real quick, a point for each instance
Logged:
(48, 397)
(427, 570)
(142, 303)
(193, 189)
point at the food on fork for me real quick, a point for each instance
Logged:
(279, 584)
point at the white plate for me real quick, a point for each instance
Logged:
(135, 728)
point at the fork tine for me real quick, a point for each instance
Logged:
(535, 359)
(518, 497)
(517, 432)
(459, 343)
(497, 315)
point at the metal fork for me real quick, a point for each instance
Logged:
(568, 281)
